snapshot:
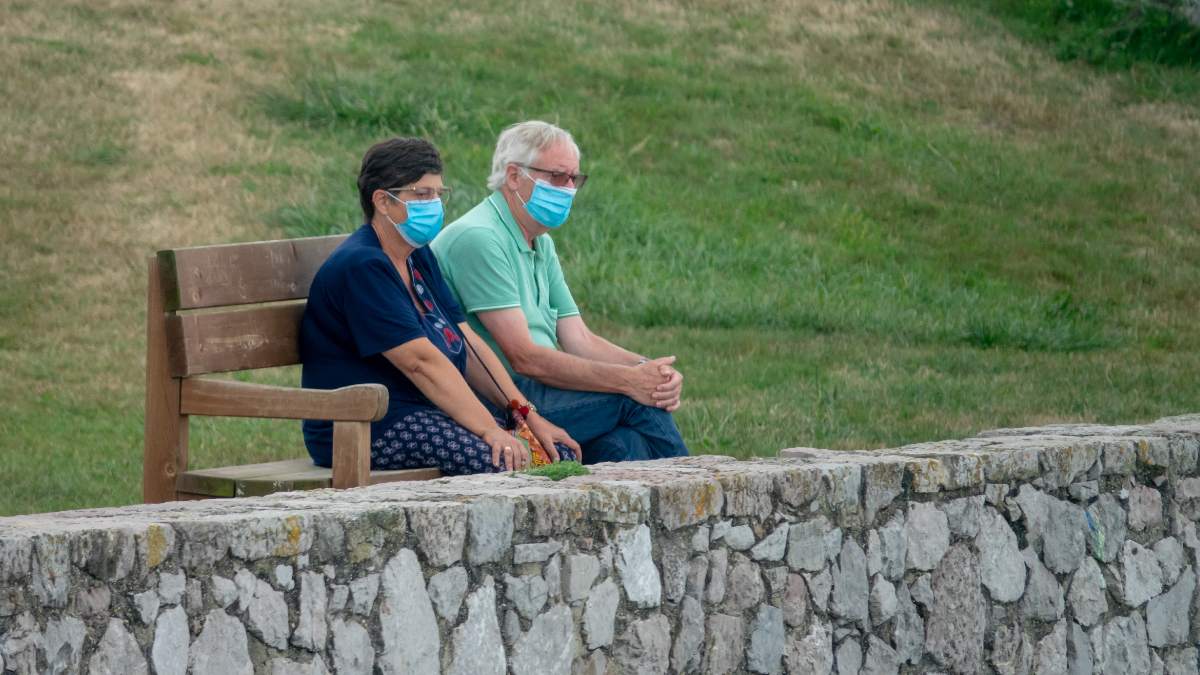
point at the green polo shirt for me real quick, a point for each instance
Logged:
(488, 265)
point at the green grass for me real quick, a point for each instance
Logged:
(1106, 32)
(559, 470)
(857, 224)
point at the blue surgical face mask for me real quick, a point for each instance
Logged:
(423, 223)
(549, 205)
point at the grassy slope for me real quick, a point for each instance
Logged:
(856, 223)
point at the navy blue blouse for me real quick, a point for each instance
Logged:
(358, 308)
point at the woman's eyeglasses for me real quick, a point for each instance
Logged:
(423, 193)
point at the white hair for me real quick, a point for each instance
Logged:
(521, 143)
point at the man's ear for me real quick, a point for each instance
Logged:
(512, 177)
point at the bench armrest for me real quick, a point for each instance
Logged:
(229, 398)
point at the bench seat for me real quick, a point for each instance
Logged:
(255, 480)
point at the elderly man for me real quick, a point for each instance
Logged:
(499, 260)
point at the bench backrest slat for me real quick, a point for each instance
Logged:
(236, 339)
(241, 274)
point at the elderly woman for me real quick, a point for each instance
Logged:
(379, 311)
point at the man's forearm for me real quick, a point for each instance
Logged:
(597, 348)
(568, 371)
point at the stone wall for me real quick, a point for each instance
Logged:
(1062, 549)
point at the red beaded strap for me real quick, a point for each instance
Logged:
(522, 408)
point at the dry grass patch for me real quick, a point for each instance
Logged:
(112, 117)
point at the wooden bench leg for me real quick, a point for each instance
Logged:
(351, 454)
(166, 430)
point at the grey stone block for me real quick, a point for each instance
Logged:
(744, 587)
(806, 544)
(850, 589)
(527, 593)
(1088, 597)
(927, 532)
(353, 653)
(1043, 598)
(446, 591)
(1050, 656)
(954, 633)
(724, 647)
(221, 647)
(224, 592)
(363, 592)
(64, 646)
(718, 567)
(1171, 558)
(1145, 508)
(490, 522)
(812, 653)
(796, 609)
(312, 623)
(847, 657)
(1081, 647)
(582, 570)
(1142, 577)
(739, 538)
(1001, 566)
(685, 656)
(1064, 543)
(773, 546)
(639, 576)
(282, 666)
(909, 635)
(1119, 646)
(1167, 622)
(882, 601)
(266, 610)
(963, 515)
(549, 647)
(765, 654)
(411, 640)
(478, 646)
(880, 659)
(169, 653)
(440, 529)
(645, 646)
(600, 614)
(1011, 652)
(535, 553)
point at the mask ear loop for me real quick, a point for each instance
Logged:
(398, 201)
(517, 193)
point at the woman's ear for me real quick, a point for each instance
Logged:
(384, 202)
(381, 199)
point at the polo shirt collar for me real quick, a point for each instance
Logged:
(510, 223)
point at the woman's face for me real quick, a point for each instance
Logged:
(428, 187)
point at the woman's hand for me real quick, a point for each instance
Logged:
(549, 434)
(510, 448)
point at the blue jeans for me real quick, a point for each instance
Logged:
(609, 427)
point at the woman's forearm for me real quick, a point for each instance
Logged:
(442, 384)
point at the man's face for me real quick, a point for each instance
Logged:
(559, 157)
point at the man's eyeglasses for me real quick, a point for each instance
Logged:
(560, 178)
(423, 193)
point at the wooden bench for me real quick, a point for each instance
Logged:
(217, 309)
